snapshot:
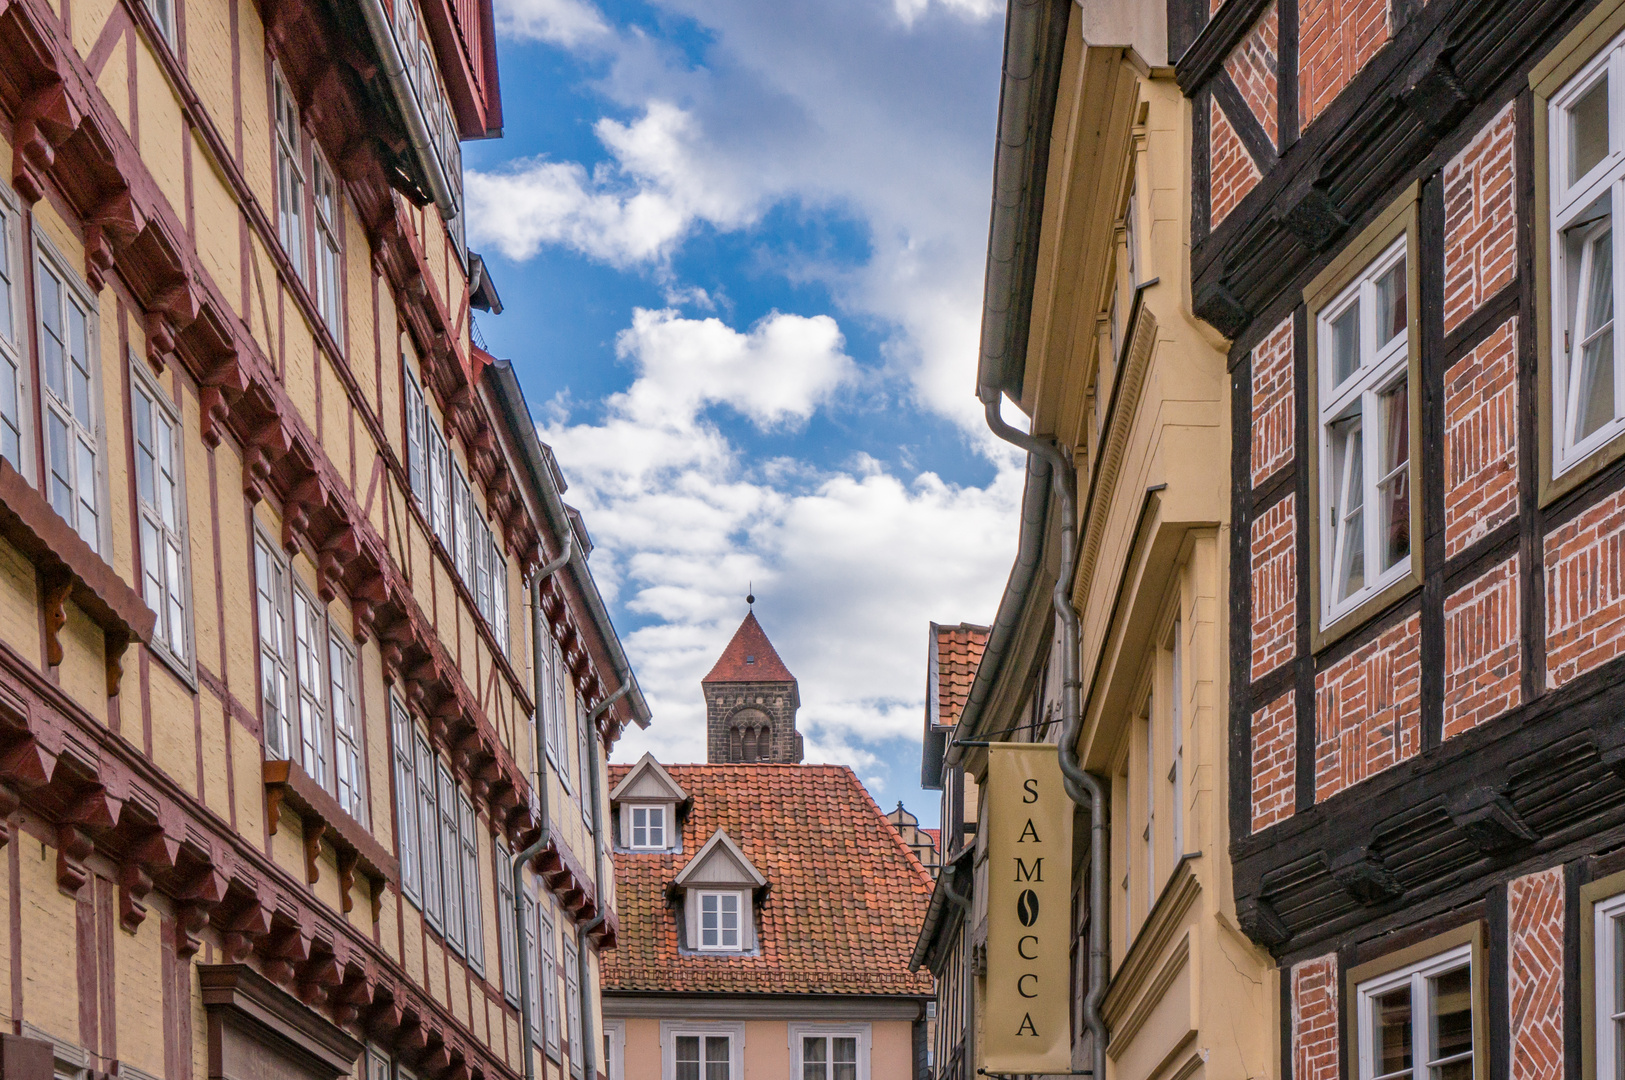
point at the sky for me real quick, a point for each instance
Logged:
(740, 247)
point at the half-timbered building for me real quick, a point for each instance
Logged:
(1402, 219)
(299, 650)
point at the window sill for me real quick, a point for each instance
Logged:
(69, 568)
(286, 782)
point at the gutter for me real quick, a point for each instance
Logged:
(512, 398)
(417, 129)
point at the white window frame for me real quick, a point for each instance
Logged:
(439, 483)
(15, 428)
(615, 1049)
(79, 499)
(741, 912)
(505, 926)
(672, 1030)
(862, 1033)
(584, 761)
(166, 579)
(558, 741)
(288, 136)
(1416, 976)
(417, 417)
(275, 648)
(1380, 369)
(499, 594)
(327, 228)
(309, 622)
(349, 726)
(572, 1002)
(408, 850)
(533, 917)
(1610, 1013)
(428, 813)
(1570, 198)
(462, 507)
(473, 907)
(550, 975)
(451, 861)
(649, 826)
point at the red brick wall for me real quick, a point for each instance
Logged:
(1336, 38)
(1275, 761)
(1483, 665)
(1585, 591)
(1232, 171)
(1314, 1019)
(1274, 418)
(1275, 587)
(1481, 439)
(1480, 220)
(1368, 709)
(1535, 975)
(1252, 68)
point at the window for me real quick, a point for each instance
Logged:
(161, 510)
(307, 651)
(276, 648)
(1364, 424)
(439, 494)
(450, 859)
(406, 823)
(499, 595)
(290, 174)
(350, 778)
(1417, 1022)
(1609, 940)
(461, 509)
(473, 910)
(532, 918)
(329, 252)
(572, 1002)
(11, 345)
(406, 29)
(163, 13)
(480, 557)
(550, 982)
(648, 827)
(415, 463)
(505, 927)
(67, 345)
(584, 760)
(719, 921)
(702, 1057)
(429, 834)
(556, 741)
(829, 1057)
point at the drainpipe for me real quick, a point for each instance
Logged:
(589, 1050)
(1084, 788)
(417, 130)
(519, 860)
(967, 983)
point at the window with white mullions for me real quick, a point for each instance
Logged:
(66, 350)
(702, 1057)
(276, 649)
(1364, 399)
(408, 850)
(648, 827)
(473, 909)
(450, 859)
(572, 1002)
(439, 485)
(462, 510)
(307, 651)
(829, 1057)
(290, 174)
(11, 341)
(719, 921)
(1608, 925)
(1587, 170)
(505, 927)
(416, 466)
(161, 512)
(550, 979)
(329, 251)
(350, 783)
(429, 834)
(1417, 1022)
(499, 595)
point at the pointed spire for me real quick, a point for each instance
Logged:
(749, 657)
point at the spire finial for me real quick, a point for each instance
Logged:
(750, 597)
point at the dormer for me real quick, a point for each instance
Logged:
(719, 887)
(646, 804)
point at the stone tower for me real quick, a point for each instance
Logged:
(750, 703)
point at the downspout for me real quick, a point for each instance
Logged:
(526, 1034)
(589, 1051)
(967, 983)
(1083, 787)
(417, 130)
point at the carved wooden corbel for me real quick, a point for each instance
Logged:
(73, 847)
(117, 643)
(347, 859)
(270, 443)
(43, 122)
(314, 831)
(9, 801)
(307, 497)
(134, 883)
(57, 586)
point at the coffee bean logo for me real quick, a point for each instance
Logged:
(1027, 907)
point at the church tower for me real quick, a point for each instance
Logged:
(750, 703)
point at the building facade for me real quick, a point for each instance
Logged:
(283, 682)
(767, 914)
(1402, 220)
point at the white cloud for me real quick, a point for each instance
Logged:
(570, 23)
(909, 10)
(848, 565)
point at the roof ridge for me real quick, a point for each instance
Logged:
(897, 837)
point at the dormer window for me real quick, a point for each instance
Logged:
(750, 659)
(648, 828)
(719, 921)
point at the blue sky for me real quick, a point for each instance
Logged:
(740, 247)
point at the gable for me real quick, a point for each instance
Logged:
(648, 782)
(720, 862)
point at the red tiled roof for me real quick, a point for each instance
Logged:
(749, 657)
(959, 650)
(936, 838)
(845, 902)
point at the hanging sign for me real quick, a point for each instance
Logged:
(1029, 876)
